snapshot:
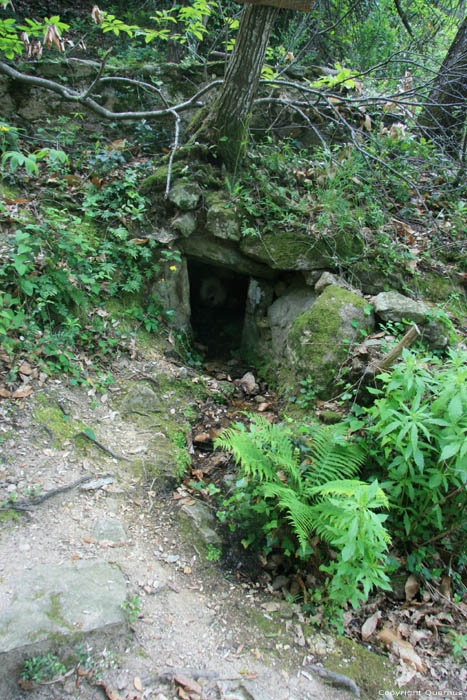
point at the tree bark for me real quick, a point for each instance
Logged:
(231, 112)
(443, 118)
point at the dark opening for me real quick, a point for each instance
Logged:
(217, 298)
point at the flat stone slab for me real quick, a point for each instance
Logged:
(109, 530)
(57, 606)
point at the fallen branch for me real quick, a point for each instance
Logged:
(25, 504)
(83, 98)
(387, 360)
(338, 680)
(101, 446)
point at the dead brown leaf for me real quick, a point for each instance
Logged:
(110, 692)
(445, 587)
(22, 392)
(188, 683)
(370, 625)
(402, 649)
(137, 683)
(412, 586)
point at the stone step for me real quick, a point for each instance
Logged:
(55, 608)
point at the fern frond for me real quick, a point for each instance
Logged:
(333, 457)
(371, 495)
(261, 451)
(254, 462)
(299, 513)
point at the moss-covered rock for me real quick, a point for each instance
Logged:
(185, 195)
(158, 180)
(185, 223)
(221, 218)
(292, 250)
(319, 339)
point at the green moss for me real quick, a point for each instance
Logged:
(289, 250)
(47, 412)
(436, 287)
(158, 180)
(7, 192)
(372, 673)
(319, 339)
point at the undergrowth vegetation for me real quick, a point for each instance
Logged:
(300, 490)
(62, 265)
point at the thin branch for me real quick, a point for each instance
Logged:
(403, 18)
(75, 96)
(175, 146)
(99, 74)
(296, 108)
(137, 83)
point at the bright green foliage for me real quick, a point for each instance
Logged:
(315, 495)
(419, 438)
(49, 30)
(57, 271)
(132, 607)
(42, 668)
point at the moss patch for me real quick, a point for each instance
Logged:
(319, 339)
(47, 412)
(292, 250)
(372, 673)
(158, 180)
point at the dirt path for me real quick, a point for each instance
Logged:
(189, 618)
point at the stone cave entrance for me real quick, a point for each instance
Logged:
(218, 299)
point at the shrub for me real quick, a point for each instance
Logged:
(280, 492)
(418, 438)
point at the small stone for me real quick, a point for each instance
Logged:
(109, 530)
(279, 582)
(286, 611)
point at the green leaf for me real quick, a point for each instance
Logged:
(455, 408)
(20, 267)
(449, 450)
(90, 433)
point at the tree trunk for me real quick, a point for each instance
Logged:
(443, 118)
(230, 114)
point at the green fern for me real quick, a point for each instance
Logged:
(318, 496)
(332, 457)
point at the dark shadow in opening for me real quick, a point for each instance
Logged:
(217, 298)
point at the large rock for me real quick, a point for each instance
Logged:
(255, 326)
(185, 195)
(291, 250)
(283, 312)
(395, 307)
(215, 251)
(172, 290)
(221, 218)
(185, 223)
(202, 521)
(321, 337)
(58, 607)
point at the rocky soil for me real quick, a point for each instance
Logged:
(193, 629)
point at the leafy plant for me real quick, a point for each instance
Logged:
(42, 668)
(213, 553)
(132, 608)
(418, 438)
(278, 491)
(459, 645)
